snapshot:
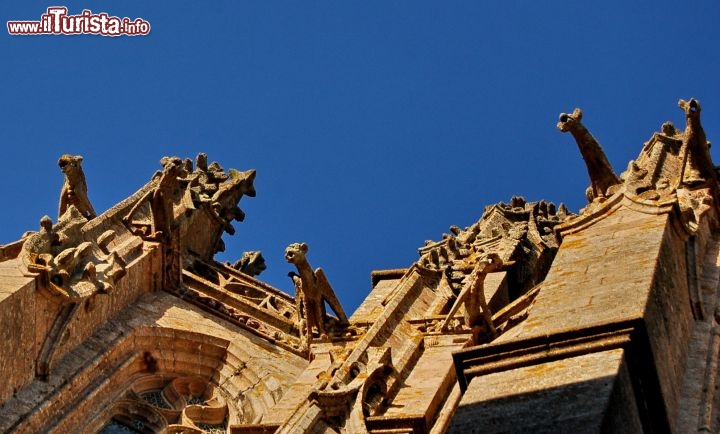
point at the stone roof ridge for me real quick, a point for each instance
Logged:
(674, 170)
(510, 230)
(82, 253)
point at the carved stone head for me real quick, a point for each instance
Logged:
(46, 223)
(691, 108)
(251, 263)
(567, 122)
(70, 164)
(295, 253)
(491, 263)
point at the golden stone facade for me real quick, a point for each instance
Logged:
(533, 319)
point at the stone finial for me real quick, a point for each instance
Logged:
(697, 164)
(312, 290)
(74, 190)
(207, 178)
(201, 162)
(602, 176)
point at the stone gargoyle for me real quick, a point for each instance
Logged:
(312, 290)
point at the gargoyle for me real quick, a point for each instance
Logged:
(698, 165)
(312, 290)
(74, 190)
(161, 202)
(472, 295)
(251, 263)
(602, 176)
(161, 198)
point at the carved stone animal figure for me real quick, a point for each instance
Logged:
(312, 291)
(601, 172)
(698, 165)
(161, 201)
(251, 263)
(74, 190)
(472, 295)
(37, 248)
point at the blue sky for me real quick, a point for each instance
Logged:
(373, 125)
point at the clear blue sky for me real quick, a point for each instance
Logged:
(373, 125)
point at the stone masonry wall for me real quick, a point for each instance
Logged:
(27, 316)
(17, 329)
(668, 317)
